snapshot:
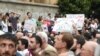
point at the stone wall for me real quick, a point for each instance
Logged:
(23, 8)
(53, 2)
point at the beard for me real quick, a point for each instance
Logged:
(6, 54)
(32, 48)
(19, 49)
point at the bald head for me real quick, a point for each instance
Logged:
(88, 48)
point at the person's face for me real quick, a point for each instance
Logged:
(29, 15)
(11, 14)
(58, 42)
(93, 22)
(20, 46)
(7, 48)
(32, 43)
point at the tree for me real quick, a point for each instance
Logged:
(74, 6)
(95, 6)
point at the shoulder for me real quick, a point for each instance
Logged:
(50, 48)
(18, 54)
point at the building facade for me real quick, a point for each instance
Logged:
(52, 2)
(37, 7)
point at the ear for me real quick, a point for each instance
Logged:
(23, 46)
(64, 44)
(78, 46)
(37, 45)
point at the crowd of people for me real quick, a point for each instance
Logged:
(34, 37)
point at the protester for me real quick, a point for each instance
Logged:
(35, 44)
(13, 17)
(30, 24)
(5, 23)
(45, 46)
(23, 47)
(8, 44)
(19, 26)
(39, 23)
(88, 49)
(79, 43)
(45, 26)
(36, 37)
(93, 26)
(63, 43)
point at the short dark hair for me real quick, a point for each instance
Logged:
(28, 13)
(9, 36)
(80, 40)
(87, 36)
(7, 14)
(68, 38)
(40, 18)
(38, 39)
(24, 42)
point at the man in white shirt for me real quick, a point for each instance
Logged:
(22, 47)
(30, 23)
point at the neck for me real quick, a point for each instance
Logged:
(23, 49)
(63, 50)
(30, 17)
(44, 46)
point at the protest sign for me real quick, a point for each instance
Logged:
(76, 19)
(62, 25)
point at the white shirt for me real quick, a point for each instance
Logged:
(94, 26)
(19, 26)
(30, 25)
(24, 52)
(45, 27)
(5, 26)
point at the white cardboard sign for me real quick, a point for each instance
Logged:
(76, 19)
(62, 25)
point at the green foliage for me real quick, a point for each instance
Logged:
(78, 6)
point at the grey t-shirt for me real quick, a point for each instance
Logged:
(97, 51)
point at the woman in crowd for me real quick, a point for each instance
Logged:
(5, 22)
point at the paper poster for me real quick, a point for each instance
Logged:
(62, 25)
(76, 19)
